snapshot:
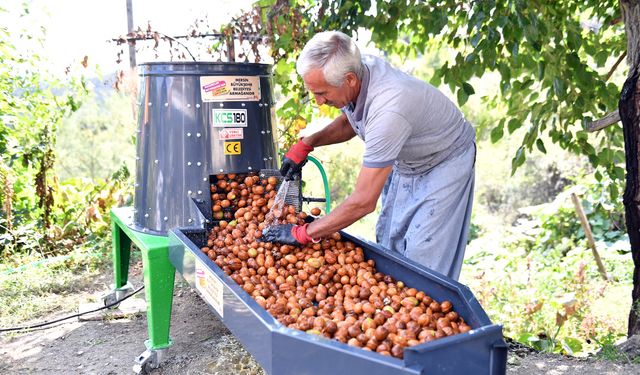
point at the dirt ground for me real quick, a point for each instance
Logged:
(202, 345)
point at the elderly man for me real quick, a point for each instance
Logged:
(419, 154)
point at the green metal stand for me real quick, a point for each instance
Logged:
(159, 273)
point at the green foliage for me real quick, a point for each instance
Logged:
(609, 351)
(289, 25)
(499, 195)
(39, 213)
(475, 231)
(79, 217)
(538, 183)
(94, 140)
(566, 345)
(557, 224)
(342, 174)
(552, 59)
(542, 282)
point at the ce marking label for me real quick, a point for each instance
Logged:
(232, 148)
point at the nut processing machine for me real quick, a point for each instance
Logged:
(200, 119)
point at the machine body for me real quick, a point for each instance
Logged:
(197, 120)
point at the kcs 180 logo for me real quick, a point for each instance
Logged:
(223, 118)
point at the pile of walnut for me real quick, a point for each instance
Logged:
(327, 288)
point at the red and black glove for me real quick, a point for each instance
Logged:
(294, 159)
(288, 234)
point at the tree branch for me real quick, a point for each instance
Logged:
(179, 43)
(615, 66)
(250, 37)
(602, 123)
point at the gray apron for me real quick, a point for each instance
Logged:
(426, 217)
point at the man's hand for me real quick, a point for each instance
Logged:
(361, 202)
(288, 234)
(294, 160)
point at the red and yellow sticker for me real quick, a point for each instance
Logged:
(230, 88)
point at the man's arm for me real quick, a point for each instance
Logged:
(360, 203)
(339, 130)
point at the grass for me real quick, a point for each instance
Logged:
(38, 288)
(610, 352)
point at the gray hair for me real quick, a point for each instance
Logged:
(333, 52)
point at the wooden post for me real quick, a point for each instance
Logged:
(231, 51)
(132, 46)
(587, 231)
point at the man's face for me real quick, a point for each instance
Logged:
(335, 96)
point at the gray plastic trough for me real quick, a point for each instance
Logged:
(282, 351)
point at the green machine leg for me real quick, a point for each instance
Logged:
(159, 273)
(159, 276)
(121, 253)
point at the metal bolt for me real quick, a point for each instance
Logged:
(189, 220)
(166, 104)
(221, 105)
(249, 168)
(204, 179)
(197, 105)
(189, 192)
(188, 134)
(265, 159)
(198, 135)
(270, 158)
(268, 131)
(221, 170)
(137, 157)
(146, 215)
(188, 105)
(207, 221)
(189, 163)
(166, 218)
(243, 104)
(263, 132)
(150, 104)
(266, 104)
(156, 161)
(198, 164)
(259, 104)
(199, 191)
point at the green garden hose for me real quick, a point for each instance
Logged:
(325, 181)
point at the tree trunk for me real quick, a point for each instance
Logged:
(629, 107)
